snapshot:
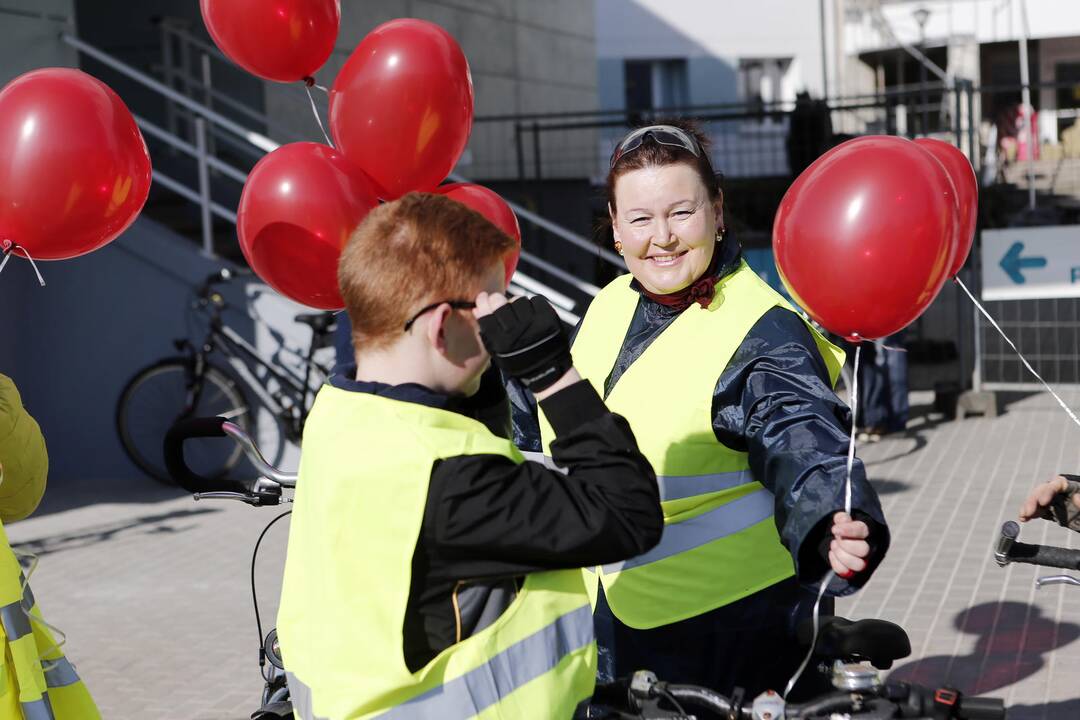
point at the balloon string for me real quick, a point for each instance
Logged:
(847, 509)
(854, 419)
(315, 110)
(1066, 408)
(10, 250)
(57, 644)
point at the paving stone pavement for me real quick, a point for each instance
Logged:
(153, 590)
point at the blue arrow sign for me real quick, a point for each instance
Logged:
(1012, 263)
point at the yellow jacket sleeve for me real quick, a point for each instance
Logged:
(24, 462)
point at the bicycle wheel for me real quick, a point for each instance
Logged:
(157, 397)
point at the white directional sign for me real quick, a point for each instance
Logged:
(1028, 263)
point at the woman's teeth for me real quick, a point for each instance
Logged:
(664, 260)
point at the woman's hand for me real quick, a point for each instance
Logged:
(849, 550)
(1043, 495)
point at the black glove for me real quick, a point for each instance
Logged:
(1062, 509)
(527, 341)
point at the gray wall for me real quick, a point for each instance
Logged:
(28, 43)
(72, 346)
(525, 56)
(75, 343)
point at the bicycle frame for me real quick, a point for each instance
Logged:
(246, 361)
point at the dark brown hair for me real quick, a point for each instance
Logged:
(419, 249)
(654, 154)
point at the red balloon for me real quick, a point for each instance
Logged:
(401, 108)
(74, 169)
(297, 209)
(491, 205)
(282, 40)
(864, 236)
(966, 185)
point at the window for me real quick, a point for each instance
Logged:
(764, 80)
(655, 84)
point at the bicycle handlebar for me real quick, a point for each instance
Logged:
(267, 490)
(635, 693)
(1008, 550)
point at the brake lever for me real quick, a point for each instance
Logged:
(222, 495)
(1056, 580)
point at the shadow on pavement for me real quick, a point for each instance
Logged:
(1014, 639)
(163, 523)
(1007, 398)
(884, 486)
(1046, 711)
(62, 495)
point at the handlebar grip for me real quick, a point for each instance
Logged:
(980, 708)
(185, 477)
(1045, 555)
(1009, 532)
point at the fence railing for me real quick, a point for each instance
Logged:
(209, 126)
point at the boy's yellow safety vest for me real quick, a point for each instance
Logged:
(359, 506)
(720, 542)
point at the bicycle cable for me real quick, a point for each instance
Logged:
(255, 596)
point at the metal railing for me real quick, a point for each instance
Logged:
(210, 125)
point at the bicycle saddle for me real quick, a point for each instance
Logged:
(879, 641)
(318, 322)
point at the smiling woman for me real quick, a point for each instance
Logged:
(729, 394)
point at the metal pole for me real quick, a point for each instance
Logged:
(167, 62)
(204, 188)
(520, 149)
(208, 98)
(976, 373)
(973, 143)
(958, 121)
(538, 175)
(923, 100)
(1025, 100)
(824, 53)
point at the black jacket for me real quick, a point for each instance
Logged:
(775, 402)
(488, 521)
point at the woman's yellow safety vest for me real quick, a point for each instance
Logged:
(720, 542)
(359, 506)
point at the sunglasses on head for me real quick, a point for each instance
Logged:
(662, 134)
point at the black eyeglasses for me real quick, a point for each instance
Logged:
(662, 134)
(456, 304)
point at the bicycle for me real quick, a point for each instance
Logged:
(194, 384)
(852, 653)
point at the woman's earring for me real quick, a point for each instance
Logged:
(720, 234)
(618, 247)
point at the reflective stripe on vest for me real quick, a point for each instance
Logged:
(38, 709)
(480, 688)
(525, 660)
(677, 487)
(728, 519)
(59, 672)
(15, 616)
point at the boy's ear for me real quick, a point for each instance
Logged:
(436, 327)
